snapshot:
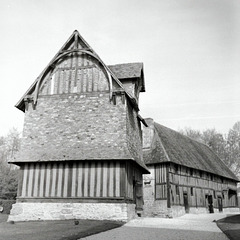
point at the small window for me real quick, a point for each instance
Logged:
(191, 191)
(191, 171)
(200, 173)
(214, 194)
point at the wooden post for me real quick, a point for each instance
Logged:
(20, 181)
(168, 186)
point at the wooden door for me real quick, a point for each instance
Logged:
(210, 204)
(185, 200)
(220, 205)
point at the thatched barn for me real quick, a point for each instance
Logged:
(81, 152)
(186, 176)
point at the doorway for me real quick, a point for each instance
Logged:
(185, 200)
(138, 196)
(209, 202)
(220, 205)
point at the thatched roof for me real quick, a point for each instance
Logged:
(171, 146)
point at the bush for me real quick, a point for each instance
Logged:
(7, 205)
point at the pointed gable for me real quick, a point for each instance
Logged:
(76, 68)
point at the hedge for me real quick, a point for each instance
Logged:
(7, 205)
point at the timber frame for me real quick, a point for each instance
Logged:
(186, 176)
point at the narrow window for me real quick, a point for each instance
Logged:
(191, 191)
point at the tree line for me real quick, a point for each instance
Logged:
(9, 146)
(226, 146)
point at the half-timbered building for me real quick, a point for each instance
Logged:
(186, 176)
(81, 152)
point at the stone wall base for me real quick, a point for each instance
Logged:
(178, 211)
(61, 211)
(233, 209)
(159, 208)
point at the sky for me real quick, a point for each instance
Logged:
(190, 50)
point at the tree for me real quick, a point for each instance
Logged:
(194, 134)
(227, 147)
(9, 146)
(233, 148)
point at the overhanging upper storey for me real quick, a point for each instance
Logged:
(73, 69)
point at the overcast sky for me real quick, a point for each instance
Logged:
(190, 50)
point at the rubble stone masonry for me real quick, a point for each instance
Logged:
(76, 127)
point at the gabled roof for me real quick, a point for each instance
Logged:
(171, 146)
(128, 71)
(76, 44)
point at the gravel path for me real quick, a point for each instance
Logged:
(187, 227)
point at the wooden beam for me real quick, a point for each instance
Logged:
(168, 186)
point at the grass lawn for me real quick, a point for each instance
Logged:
(52, 230)
(230, 226)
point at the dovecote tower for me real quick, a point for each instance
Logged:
(81, 154)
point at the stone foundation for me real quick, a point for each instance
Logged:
(233, 209)
(62, 211)
(178, 211)
(157, 208)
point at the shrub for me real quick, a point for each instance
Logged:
(7, 205)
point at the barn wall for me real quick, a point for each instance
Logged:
(161, 181)
(155, 192)
(75, 180)
(60, 211)
(183, 180)
(77, 190)
(133, 175)
(197, 184)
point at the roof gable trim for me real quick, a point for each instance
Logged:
(75, 39)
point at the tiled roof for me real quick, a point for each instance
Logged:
(127, 70)
(171, 146)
